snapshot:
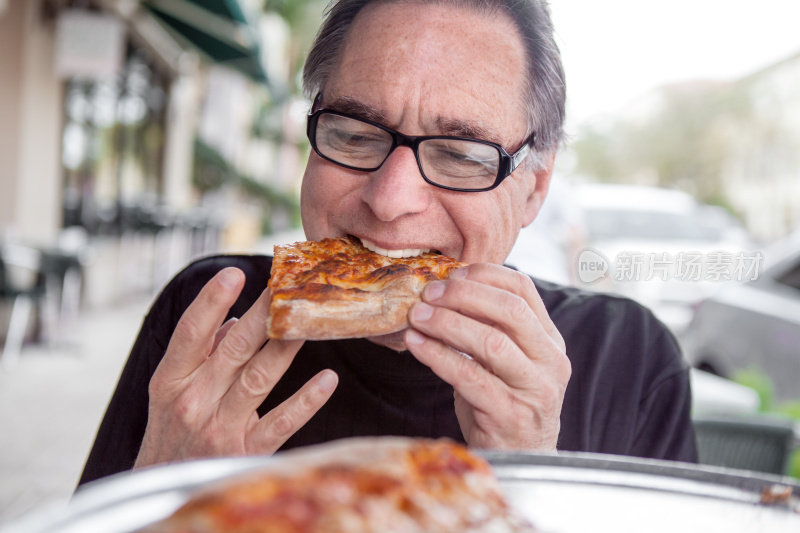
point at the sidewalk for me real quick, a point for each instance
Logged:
(51, 403)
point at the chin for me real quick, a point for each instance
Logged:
(393, 341)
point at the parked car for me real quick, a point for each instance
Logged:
(655, 246)
(754, 325)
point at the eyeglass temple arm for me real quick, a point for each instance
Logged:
(317, 103)
(520, 156)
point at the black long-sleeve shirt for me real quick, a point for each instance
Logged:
(628, 394)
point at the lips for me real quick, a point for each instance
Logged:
(393, 253)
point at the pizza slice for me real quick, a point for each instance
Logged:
(388, 484)
(337, 289)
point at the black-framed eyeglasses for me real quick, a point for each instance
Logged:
(454, 163)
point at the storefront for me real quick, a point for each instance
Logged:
(101, 113)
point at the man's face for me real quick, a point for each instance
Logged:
(426, 70)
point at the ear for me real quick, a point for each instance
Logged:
(538, 192)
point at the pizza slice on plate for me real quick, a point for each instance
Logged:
(382, 485)
(337, 289)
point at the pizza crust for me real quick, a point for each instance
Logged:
(346, 313)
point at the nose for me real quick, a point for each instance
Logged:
(397, 188)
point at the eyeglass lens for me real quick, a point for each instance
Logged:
(449, 162)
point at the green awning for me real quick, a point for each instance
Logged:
(217, 28)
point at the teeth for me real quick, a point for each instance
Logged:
(396, 254)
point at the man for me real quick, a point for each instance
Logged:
(487, 72)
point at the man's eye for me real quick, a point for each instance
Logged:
(345, 139)
(359, 138)
(462, 158)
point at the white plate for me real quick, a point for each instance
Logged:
(568, 493)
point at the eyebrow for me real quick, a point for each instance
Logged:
(445, 126)
(353, 107)
(461, 128)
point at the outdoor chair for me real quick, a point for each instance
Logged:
(757, 443)
(22, 288)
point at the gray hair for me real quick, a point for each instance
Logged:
(546, 88)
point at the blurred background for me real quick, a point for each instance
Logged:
(137, 135)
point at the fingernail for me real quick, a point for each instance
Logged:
(229, 277)
(328, 381)
(434, 290)
(422, 312)
(461, 273)
(413, 337)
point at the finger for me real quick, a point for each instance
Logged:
(489, 323)
(193, 338)
(491, 347)
(256, 379)
(517, 283)
(238, 347)
(496, 306)
(278, 425)
(222, 331)
(480, 388)
(245, 337)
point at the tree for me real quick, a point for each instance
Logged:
(684, 137)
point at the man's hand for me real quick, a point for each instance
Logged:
(510, 387)
(205, 392)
